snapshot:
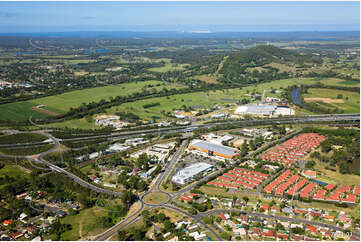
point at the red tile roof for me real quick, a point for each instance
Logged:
(311, 228)
(319, 195)
(269, 233)
(356, 190)
(330, 186)
(350, 198)
(282, 236)
(293, 149)
(280, 189)
(343, 189)
(185, 198)
(306, 190)
(277, 181)
(293, 190)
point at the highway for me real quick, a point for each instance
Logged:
(250, 122)
(172, 164)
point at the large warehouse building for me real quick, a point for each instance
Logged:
(265, 110)
(214, 149)
(187, 174)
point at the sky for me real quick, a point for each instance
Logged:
(186, 16)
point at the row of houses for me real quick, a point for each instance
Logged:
(244, 227)
(288, 184)
(293, 149)
(239, 177)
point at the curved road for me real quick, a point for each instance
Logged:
(169, 167)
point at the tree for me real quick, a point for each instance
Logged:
(192, 211)
(207, 219)
(225, 235)
(128, 198)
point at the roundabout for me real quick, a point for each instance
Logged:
(156, 198)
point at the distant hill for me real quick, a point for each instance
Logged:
(261, 55)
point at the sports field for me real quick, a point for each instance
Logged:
(328, 98)
(62, 103)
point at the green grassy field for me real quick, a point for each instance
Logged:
(350, 105)
(22, 138)
(168, 66)
(83, 224)
(327, 81)
(19, 111)
(27, 150)
(207, 99)
(62, 103)
(75, 123)
(13, 170)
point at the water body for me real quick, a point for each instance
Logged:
(295, 97)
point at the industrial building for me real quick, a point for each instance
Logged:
(264, 110)
(187, 174)
(214, 149)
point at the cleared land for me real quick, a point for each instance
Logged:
(168, 66)
(63, 102)
(83, 224)
(326, 100)
(26, 151)
(207, 99)
(22, 138)
(350, 102)
(13, 170)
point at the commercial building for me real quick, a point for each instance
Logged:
(214, 149)
(187, 174)
(264, 110)
(117, 147)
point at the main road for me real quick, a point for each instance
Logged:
(267, 216)
(250, 122)
(171, 165)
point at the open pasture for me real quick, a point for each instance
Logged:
(206, 99)
(350, 101)
(63, 102)
(168, 66)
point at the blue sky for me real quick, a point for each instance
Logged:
(87, 15)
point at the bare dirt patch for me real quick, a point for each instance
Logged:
(323, 99)
(41, 110)
(238, 142)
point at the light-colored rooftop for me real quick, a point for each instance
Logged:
(214, 147)
(190, 171)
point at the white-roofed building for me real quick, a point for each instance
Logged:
(115, 148)
(265, 110)
(187, 174)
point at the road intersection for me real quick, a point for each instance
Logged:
(156, 188)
